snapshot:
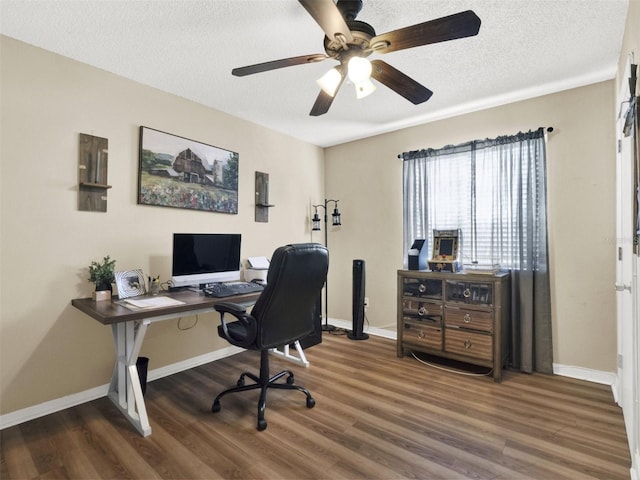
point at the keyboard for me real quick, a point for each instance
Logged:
(220, 290)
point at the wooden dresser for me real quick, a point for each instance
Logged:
(461, 316)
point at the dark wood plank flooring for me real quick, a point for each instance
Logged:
(377, 417)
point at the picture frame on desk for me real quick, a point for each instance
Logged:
(181, 173)
(130, 283)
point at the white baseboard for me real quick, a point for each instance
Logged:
(635, 466)
(580, 373)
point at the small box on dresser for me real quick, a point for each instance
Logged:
(461, 316)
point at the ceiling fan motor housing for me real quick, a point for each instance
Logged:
(362, 34)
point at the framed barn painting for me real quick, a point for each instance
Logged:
(182, 173)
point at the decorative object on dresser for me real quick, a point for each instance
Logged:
(460, 316)
(417, 255)
(101, 274)
(446, 251)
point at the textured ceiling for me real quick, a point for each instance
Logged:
(189, 47)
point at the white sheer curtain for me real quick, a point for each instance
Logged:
(494, 190)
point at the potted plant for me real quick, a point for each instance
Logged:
(101, 274)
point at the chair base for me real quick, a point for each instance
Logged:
(263, 383)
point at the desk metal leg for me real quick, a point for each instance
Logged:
(125, 390)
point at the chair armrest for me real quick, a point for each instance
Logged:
(246, 320)
(228, 307)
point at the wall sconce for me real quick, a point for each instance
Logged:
(315, 226)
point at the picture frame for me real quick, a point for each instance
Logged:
(179, 172)
(130, 283)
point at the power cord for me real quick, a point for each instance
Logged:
(189, 327)
(344, 331)
(338, 331)
(457, 372)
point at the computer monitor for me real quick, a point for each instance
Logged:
(202, 258)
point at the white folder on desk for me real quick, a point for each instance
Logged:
(153, 302)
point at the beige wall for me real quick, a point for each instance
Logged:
(49, 349)
(366, 176)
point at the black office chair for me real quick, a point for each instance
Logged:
(282, 314)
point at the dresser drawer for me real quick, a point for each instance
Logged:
(472, 319)
(422, 335)
(464, 342)
(471, 293)
(422, 288)
(421, 310)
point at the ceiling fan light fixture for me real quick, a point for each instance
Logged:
(330, 81)
(359, 70)
(364, 88)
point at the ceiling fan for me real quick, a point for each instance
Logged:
(350, 42)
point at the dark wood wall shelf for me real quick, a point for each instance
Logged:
(94, 185)
(93, 166)
(262, 197)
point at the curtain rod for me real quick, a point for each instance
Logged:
(462, 145)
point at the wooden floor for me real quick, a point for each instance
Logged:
(376, 417)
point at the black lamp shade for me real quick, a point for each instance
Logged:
(315, 222)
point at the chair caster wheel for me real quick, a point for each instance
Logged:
(240, 382)
(216, 406)
(290, 380)
(262, 424)
(311, 402)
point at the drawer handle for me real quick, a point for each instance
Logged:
(422, 311)
(422, 288)
(467, 318)
(467, 344)
(466, 293)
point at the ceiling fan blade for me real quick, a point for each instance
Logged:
(459, 25)
(327, 15)
(285, 62)
(399, 82)
(324, 100)
(322, 104)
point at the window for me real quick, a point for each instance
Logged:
(492, 190)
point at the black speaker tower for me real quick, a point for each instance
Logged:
(358, 302)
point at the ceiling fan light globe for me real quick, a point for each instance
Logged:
(330, 81)
(359, 69)
(364, 88)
